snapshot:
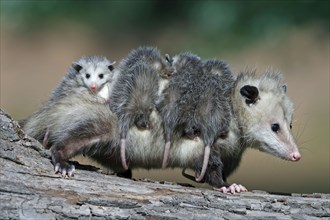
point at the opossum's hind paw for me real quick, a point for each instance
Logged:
(233, 188)
(65, 168)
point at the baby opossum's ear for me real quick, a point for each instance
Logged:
(284, 88)
(169, 59)
(110, 67)
(76, 66)
(250, 93)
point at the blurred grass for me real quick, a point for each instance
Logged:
(39, 40)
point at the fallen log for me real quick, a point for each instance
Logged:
(29, 189)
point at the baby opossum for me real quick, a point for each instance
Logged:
(203, 107)
(143, 76)
(175, 102)
(87, 84)
(90, 75)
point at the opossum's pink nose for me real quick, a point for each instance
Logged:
(295, 156)
(93, 88)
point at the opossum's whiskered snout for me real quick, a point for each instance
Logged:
(192, 132)
(142, 121)
(295, 156)
(143, 124)
(93, 88)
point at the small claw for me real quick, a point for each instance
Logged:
(243, 189)
(222, 189)
(66, 169)
(63, 173)
(237, 188)
(232, 189)
(57, 167)
(70, 170)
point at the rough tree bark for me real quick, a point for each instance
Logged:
(30, 190)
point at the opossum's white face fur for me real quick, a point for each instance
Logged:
(95, 72)
(265, 112)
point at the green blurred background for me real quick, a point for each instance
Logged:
(39, 40)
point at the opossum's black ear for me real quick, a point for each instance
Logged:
(76, 66)
(169, 59)
(250, 93)
(110, 67)
(284, 88)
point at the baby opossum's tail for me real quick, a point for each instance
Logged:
(37, 124)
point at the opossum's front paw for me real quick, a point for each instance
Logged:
(65, 168)
(233, 188)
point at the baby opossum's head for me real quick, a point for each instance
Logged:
(152, 57)
(139, 111)
(217, 67)
(94, 71)
(185, 61)
(265, 114)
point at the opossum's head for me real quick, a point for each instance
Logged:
(217, 67)
(140, 116)
(94, 71)
(142, 120)
(163, 66)
(191, 130)
(186, 61)
(152, 57)
(265, 114)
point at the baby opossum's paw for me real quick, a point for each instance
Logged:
(233, 188)
(65, 168)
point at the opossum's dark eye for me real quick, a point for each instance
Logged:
(101, 76)
(291, 126)
(275, 127)
(88, 75)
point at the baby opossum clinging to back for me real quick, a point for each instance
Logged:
(197, 104)
(89, 77)
(143, 76)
